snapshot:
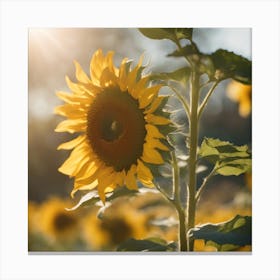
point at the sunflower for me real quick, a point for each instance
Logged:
(241, 94)
(118, 116)
(56, 223)
(120, 222)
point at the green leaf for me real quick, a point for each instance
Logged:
(230, 65)
(173, 34)
(228, 159)
(237, 231)
(234, 167)
(181, 75)
(184, 33)
(159, 33)
(146, 245)
(211, 146)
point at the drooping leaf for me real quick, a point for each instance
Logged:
(89, 198)
(146, 245)
(230, 65)
(226, 235)
(92, 197)
(173, 34)
(227, 158)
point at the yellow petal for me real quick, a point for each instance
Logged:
(71, 98)
(87, 170)
(72, 126)
(110, 62)
(155, 104)
(80, 74)
(99, 172)
(84, 187)
(105, 182)
(151, 155)
(97, 65)
(144, 174)
(153, 131)
(131, 79)
(155, 143)
(77, 159)
(136, 91)
(123, 74)
(71, 111)
(107, 78)
(147, 96)
(120, 178)
(72, 144)
(75, 88)
(157, 120)
(131, 179)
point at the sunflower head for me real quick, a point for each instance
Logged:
(56, 223)
(119, 222)
(118, 116)
(241, 94)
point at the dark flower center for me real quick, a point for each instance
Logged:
(118, 229)
(63, 221)
(116, 128)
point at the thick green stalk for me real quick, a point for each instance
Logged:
(193, 141)
(177, 203)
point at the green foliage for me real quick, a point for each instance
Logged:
(220, 65)
(226, 236)
(181, 75)
(146, 245)
(185, 51)
(230, 65)
(173, 34)
(227, 158)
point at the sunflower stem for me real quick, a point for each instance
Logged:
(193, 141)
(205, 181)
(183, 101)
(204, 102)
(177, 203)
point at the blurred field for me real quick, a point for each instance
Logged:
(52, 228)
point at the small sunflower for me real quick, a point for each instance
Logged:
(119, 223)
(119, 120)
(241, 94)
(56, 223)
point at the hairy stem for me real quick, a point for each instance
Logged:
(177, 204)
(183, 101)
(193, 141)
